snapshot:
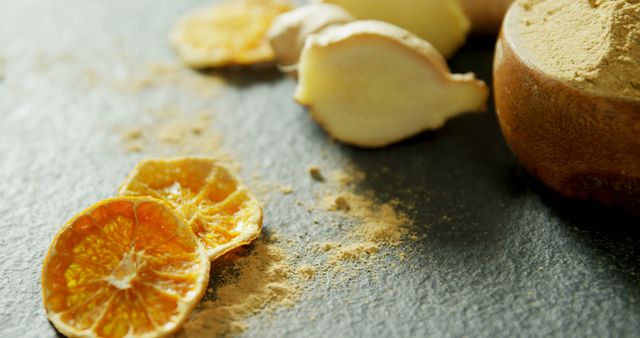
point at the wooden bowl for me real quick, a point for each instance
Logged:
(579, 144)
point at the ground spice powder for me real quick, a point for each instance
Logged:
(264, 282)
(591, 44)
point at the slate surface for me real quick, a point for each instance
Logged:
(498, 255)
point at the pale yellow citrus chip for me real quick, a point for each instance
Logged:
(229, 33)
(222, 213)
(125, 267)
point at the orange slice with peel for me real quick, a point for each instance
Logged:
(222, 213)
(124, 267)
(229, 33)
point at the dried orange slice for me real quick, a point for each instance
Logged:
(222, 213)
(230, 33)
(125, 267)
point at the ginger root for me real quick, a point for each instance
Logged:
(370, 84)
(443, 22)
(289, 30)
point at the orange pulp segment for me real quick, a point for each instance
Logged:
(126, 266)
(222, 213)
(229, 33)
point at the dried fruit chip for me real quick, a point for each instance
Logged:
(230, 33)
(127, 266)
(222, 213)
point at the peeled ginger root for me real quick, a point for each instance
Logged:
(230, 33)
(441, 22)
(370, 84)
(291, 29)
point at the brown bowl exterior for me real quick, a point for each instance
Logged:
(580, 145)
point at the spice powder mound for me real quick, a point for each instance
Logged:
(593, 45)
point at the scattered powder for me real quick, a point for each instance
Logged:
(286, 189)
(328, 246)
(315, 173)
(341, 204)
(273, 238)
(379, 222)
(348, 177)
(263, 281)
(592, 44)
(372, 226)
(91, 77)
(353, 252)
(44, 62)
(158, 74)
(307, 271)
(273, 276)
(135, 77)
(264, 189)
(171, 133)
(132, 134)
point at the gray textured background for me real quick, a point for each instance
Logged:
(498, 254)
